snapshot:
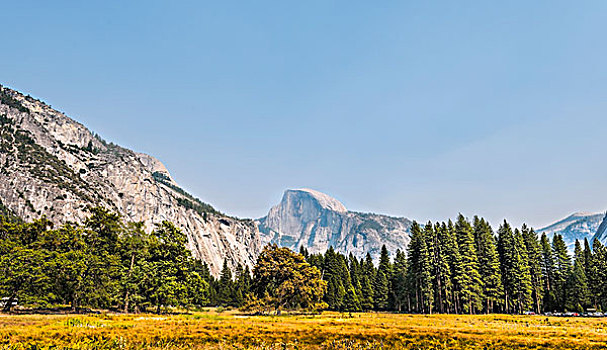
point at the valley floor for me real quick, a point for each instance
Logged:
(210, 330)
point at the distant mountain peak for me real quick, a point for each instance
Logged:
(317, 221)
(578, 225)
(601, 232)
(581, 214)
(324, 200)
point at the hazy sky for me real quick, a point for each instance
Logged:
(420, 109)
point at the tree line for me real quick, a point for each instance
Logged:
(464, 267)
(107, 263)
(448, 267)
(103, 263)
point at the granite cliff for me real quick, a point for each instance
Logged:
(317, 221)
(52, 165)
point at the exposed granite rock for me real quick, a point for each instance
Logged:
(317, 221)
(601, 232)
(52, 165)
(575, 226)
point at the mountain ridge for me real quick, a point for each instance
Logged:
(53, 165)
(579, 225)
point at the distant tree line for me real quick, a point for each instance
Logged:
(464, 267)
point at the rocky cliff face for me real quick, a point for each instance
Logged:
(52, 165)
(317, 221)
(576, 226)
(601, 231)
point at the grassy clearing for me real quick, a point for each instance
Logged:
(327, 331)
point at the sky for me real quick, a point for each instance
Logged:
(422, 109)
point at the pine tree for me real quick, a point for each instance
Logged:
(367, 281)
(548, 267)
(506, 250)
(598, 284)
(576, 289)
(522, 291)
(351, 301)
(355, 275)
(381, 290)
(442, 260)
(333, 274)
(534, 260)
(420, 269)
(384, 262)
(468, 279)
(382, 280)
(489, 264)
(399, 281)
(368, 301)
(589, 271)
(225, 292)
(562, 269)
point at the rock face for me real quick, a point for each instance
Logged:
(575, 226)
(317, 221)
(601, 231)
(52, 165)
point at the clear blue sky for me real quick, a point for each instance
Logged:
(420, 109)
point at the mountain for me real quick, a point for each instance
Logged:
(318, 221)
(601, 231)
(575, 226)
(52, 165)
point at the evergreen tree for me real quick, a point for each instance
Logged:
(589, 271)
(383, 297)
(489, 264)
(576, 290)
(355, 275)
(454, 260)
(334, 275)
(445, 249)
(351, 301)
(468, 279)
(507, 254)
(399, 281)
(548, 266)
(562, 269)
(368, 294)
(534, 260)
(225, 287)
(522, 291)
(598, 282)
(420, 275)
(367, 283)
(381, 289)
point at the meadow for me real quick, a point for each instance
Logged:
(226, 330)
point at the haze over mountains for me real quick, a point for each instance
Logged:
(52, 165)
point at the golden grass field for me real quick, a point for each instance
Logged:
(210, 330)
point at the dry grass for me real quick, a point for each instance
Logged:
(327, 331)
